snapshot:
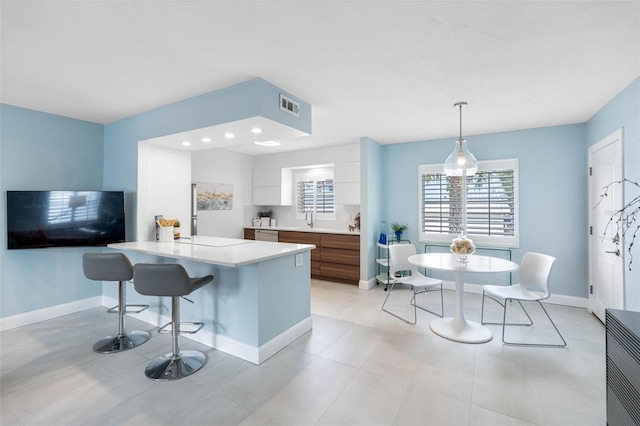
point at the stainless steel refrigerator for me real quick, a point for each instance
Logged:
(194, 209)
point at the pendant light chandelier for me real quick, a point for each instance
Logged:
(461, 161)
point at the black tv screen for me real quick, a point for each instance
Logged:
(40, 219)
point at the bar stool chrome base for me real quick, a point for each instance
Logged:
(170, 367)
(113, 344)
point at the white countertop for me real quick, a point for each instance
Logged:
(305, 229)
(219, 251)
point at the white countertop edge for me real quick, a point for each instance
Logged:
(218, 251)
(303, 229)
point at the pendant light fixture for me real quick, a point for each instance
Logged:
(461, 161)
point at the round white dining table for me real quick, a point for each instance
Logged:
(459, 328)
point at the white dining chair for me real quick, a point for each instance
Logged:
(399, 263)
(535, 269)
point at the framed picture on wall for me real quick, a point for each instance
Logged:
(214, 196)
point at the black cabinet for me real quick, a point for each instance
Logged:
(623, 367)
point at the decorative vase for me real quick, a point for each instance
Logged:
(398, 235)
(463, 247)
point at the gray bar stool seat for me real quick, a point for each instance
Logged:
(115, 267)
(171, 280)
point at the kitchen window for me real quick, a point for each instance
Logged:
(492, 204)
(315, 194)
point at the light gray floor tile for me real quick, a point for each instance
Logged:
(359, 365)
(308, 395)
(423, 407)
(369, 399)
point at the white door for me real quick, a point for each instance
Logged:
(606, 263)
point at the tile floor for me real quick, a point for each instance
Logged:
(358, 366)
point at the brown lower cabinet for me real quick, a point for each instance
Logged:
(335, 258)
(304, 238)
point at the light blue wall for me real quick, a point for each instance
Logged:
(44, 151)
(41, 151)
(371, 202)
(244, 100)
(623, 111)
(553, 192)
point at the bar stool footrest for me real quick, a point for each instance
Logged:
(197, 325)
(114, 310)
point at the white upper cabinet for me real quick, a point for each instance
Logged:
(272, 187)
(347, 183)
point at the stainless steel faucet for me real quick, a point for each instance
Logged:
(306, 219)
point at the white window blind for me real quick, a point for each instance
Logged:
(492, 208)
(316, 196)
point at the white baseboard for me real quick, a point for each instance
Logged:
(32, 317)
(554, 299)
(366, 285)
(253, 354)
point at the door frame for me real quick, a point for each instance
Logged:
(617, 138)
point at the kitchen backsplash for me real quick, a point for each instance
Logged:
(286, 216)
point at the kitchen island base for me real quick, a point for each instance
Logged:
(252, 310)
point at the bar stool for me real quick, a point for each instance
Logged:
(115, 267)
(171, 279)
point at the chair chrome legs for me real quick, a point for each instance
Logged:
(124, 340)
(414, 304)
(504, 324)
(176, 364)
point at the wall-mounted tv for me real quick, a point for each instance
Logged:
(40, 219)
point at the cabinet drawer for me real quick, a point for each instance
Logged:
(302, 238)
(346, 257)
(340, 241)
(249, 234)
(341, 271)
(299, 237)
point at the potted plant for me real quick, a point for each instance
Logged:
(176, 229)
(398, 229)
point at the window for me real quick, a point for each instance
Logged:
(316, 196)
(492, 204)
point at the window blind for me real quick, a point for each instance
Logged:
(316, 196)
(490, 203)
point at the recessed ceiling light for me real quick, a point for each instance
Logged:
(267, 143)
(229, 135)
(206, 140)
(256, 130)
(186, 143)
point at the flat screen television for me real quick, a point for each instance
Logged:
(40, 219)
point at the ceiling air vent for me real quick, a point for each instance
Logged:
(289, 105)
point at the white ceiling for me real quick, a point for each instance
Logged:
(390, 70)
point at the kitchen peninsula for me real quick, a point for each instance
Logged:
(258, 303)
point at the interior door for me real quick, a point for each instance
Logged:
(606, 262)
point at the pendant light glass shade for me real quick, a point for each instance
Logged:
(461, 161)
